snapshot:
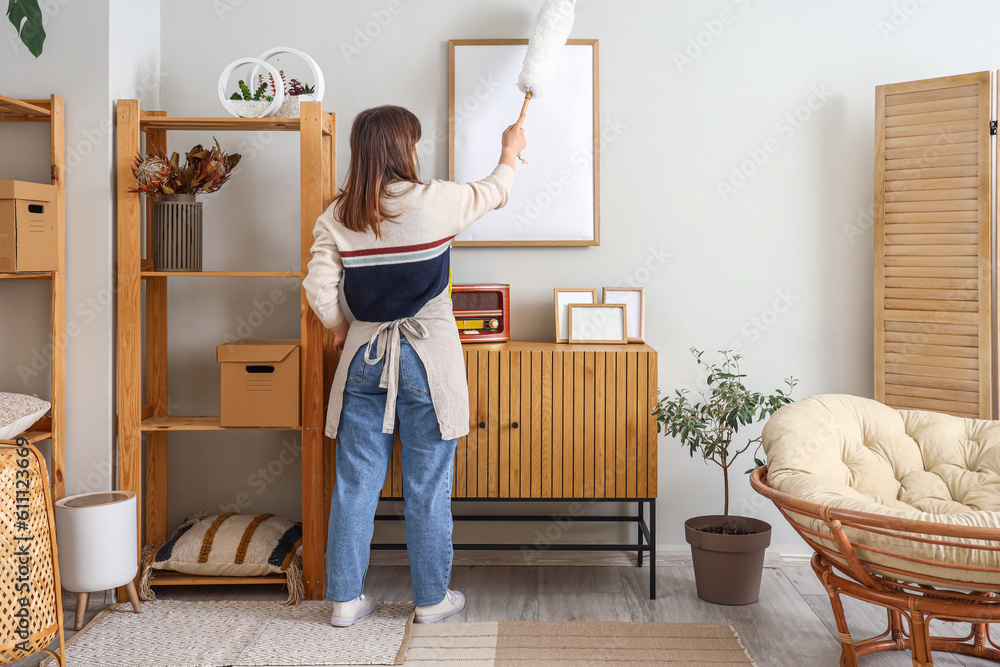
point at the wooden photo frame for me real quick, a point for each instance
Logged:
(635, 299)
(562, 297)
(556, 201)
(598, 323)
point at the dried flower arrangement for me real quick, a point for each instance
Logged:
(204, 171)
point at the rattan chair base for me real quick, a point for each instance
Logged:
(918, 611)
(843, 567)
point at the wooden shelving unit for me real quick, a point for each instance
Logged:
(52, 428)
(142, 409)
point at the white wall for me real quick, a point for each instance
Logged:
(781, 267)
(94, 52)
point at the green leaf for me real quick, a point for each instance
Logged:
(26, 18)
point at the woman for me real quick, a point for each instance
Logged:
(388, 237)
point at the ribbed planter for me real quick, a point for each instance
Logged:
(177, 234)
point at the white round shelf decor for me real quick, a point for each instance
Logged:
(251, 108)
(290, 107)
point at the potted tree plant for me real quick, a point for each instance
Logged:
(177, 216)
(728, 551)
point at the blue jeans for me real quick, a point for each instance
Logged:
(363, 454)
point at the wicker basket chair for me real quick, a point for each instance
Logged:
(27, 519)
(833, 462)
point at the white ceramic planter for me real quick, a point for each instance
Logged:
(234, 106)
(248, 108)
(319, 84)
(97, 536)
(291, 107)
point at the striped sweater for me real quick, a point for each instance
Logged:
(394, 276)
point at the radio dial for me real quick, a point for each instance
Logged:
(494, 324)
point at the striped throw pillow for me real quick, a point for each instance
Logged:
(230, 544)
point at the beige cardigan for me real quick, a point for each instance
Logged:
(407, 260)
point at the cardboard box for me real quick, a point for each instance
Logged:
(29, 238)
(260, 383)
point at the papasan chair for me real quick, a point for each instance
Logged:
(902, 509)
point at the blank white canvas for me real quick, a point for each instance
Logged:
(598, 324)
(553, 194)
(633, 308)
(564, 300)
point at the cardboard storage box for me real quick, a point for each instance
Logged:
(260, 383)
(29, 240)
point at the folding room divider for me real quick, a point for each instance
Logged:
(935, 246)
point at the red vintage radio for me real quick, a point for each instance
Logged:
(482, 312)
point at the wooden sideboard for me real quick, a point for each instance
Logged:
(556, 421)
(553, 420)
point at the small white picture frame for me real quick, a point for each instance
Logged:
(598, 323)
(563, 297)
(634, 299)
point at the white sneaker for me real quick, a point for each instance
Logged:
(452, 603)
(345, 613)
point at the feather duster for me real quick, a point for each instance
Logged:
(552, 28)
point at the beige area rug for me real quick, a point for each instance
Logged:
(527, 644)
(218, 633)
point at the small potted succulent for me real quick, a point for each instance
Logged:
(177, 215)
(728, 551)
(296, 92)
(253, 103)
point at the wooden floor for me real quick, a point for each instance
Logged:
(791, 625)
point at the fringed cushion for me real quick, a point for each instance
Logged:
(230, 544)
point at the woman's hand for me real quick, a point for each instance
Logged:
(340, 334)
(513, 142)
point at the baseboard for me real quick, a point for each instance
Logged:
(572, 558)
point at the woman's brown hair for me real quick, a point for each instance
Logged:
(382, 150)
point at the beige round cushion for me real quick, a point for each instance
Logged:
(858, 454)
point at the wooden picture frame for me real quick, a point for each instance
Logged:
(598, 323)
(635, 299)
(561, 307)
(556, 201)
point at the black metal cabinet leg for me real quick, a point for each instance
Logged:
(652, 549)
(638, 530)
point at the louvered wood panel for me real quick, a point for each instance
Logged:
(933, 255)
(561, 421)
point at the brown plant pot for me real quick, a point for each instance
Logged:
(728, 568)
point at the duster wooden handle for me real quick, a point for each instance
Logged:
(527, 98)
(524, 107)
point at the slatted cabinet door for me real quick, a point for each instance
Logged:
(933, 250)
(551, 420)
